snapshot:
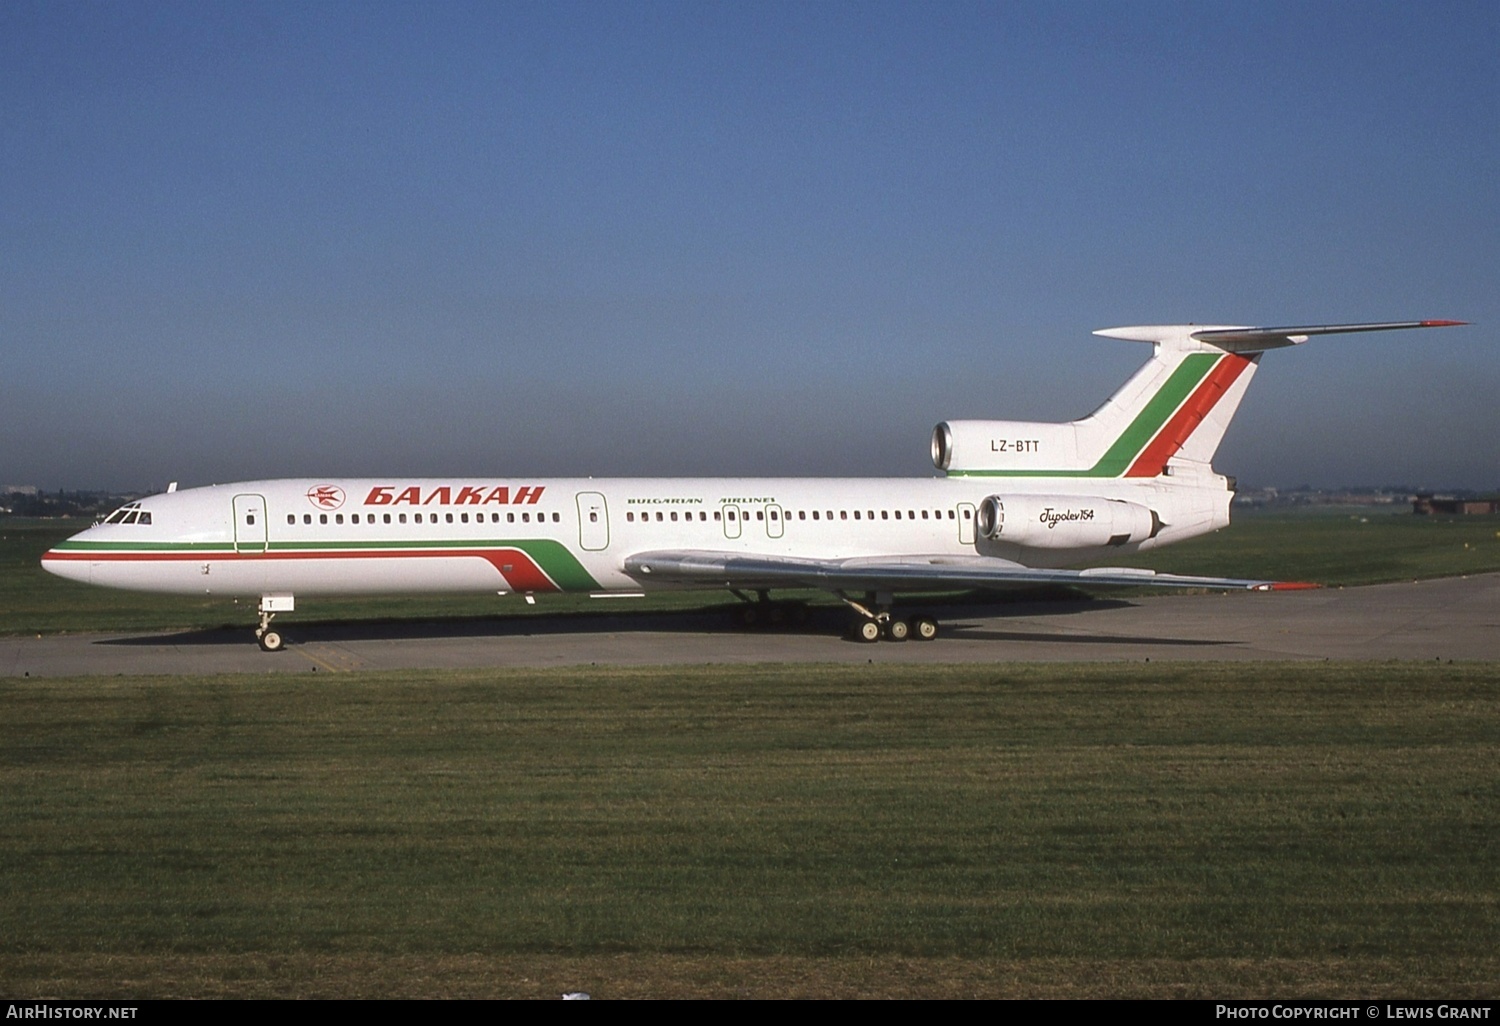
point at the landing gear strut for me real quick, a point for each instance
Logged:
(270, 605)
(270, 641)
(873, 620)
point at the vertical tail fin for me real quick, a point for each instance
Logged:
(1175, 409)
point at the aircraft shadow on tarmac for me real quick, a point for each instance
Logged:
(975, 632)
(821, 621)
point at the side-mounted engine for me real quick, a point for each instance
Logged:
(1065, 521)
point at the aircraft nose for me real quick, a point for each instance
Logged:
(74, 566)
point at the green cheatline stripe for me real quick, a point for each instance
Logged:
(552, 556)
(559, 564)
(1134, 438)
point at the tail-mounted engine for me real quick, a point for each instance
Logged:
(960, 445)
(1065, 521)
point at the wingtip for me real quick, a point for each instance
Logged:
(1289, 586)
(1443, 324)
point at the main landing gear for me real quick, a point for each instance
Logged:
(873, 621)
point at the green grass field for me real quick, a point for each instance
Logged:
(1335, 549)
(1339, 548)
(1194, 829)
(1189, 830)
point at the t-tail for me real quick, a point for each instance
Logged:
(1168, 418)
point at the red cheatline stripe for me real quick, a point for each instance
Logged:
(1153, 459)
(523, 573)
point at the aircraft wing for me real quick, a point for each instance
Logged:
(899, 573)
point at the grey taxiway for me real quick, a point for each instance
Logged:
(1454, 618)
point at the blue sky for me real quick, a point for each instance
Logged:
(246, 240)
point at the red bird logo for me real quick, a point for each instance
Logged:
(326, 496)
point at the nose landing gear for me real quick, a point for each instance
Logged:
(270, 605)
(270, 641)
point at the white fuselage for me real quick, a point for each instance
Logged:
(395, 535)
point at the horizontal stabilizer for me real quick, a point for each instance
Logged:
(1254, 340)
(1242, 340)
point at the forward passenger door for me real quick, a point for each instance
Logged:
(249, 515)
(593, 521)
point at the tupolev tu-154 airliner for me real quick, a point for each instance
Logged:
(1018, 502)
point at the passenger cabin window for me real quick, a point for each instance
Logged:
(291, 518)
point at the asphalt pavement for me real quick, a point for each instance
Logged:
(1453, 618)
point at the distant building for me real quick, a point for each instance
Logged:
(1427, 505)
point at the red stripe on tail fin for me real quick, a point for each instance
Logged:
(1174, 435)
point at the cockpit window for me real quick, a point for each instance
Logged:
(130, 513)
